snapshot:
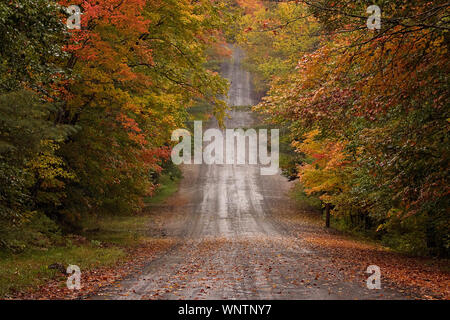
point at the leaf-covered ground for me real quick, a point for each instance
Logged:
(306, 262)
(424, 278)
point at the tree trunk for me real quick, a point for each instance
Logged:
(328, 209)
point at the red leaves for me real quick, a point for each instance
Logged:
(129, 123)
(153, 157)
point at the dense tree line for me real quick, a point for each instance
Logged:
(86, 114)
(367, 110)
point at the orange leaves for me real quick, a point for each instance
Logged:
(423, 277)
(135, 133)
(250, 6)
(326, 153)
(150, 157)
(153, 157)
(109, 29)
(222, 50)
(324, 176)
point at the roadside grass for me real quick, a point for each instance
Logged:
(169, 185)
(104, 242)
(120, 231)
(242, 108)
(304, 202)
(30, 269)
(201, 111)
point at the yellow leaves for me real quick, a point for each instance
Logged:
(49, 167)
(381, 227)
(271, 38)
(326, 154)
(324, 175)
(250, 6)
(309, 144)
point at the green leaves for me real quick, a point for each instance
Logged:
(31, 37)
(25, 122)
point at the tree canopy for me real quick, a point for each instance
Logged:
(368, 109)
(87, 113)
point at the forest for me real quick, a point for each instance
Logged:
(87, 113)
(367, 111)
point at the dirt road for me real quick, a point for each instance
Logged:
(229, 244)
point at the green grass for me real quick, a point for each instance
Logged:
(169, 185)
(242, 108)
(124, 231)
(202, 111)
(104, 242)
(30, 269)
(303, 201)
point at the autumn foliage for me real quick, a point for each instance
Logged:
(87, 113)
(367, 109)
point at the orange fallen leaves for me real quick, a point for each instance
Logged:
(425, 276)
